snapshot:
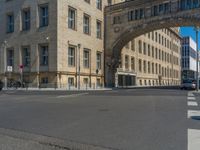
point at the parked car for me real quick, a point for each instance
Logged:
(188, 85)
(1, 85)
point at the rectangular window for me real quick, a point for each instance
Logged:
(71, 56)
(44, 15)
(144, 48)
(72, 18)
(26, 56)
(86, 58)
(10, 57)
(132, 63)
(86, 24)
(99, 4)
(99, 29)
(126, 62)
(98, 60)
(44, 58)
(140, 65)
(71, 81)
(26, 19)
(10, 23)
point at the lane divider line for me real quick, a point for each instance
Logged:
(72, 95)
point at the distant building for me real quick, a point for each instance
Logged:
(189, 54)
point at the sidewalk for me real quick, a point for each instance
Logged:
(61, 89)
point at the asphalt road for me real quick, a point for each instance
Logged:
(134, 119)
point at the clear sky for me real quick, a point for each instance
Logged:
(189, 31)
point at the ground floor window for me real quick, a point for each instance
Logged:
(71, 81)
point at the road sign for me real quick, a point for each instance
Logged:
(9, 68)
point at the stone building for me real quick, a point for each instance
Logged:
(151, 59)
(51, 40)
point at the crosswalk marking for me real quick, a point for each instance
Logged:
(191, 98)
(190, 103)
(193, 139)
(190, 94)
(193, 113)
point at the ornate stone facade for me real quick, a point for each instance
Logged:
(128, 20)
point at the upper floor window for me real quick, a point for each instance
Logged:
(99, 28)
(86, 24)
(126, 62)
(86, 58)
(44, 16)
(10, 57)
(44, 56)
(99, 4)
(71, 56)
(26, 21)
(26, 56)
(98, 60)
(72, 18)
(10, 23)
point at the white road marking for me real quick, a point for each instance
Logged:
(72, 95)
(190, 94)
(193, 113)
(193, 139)
(191, 98)
(190, 103)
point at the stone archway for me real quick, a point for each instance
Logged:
(120, 30)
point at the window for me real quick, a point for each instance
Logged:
(71, 81)
(26, 56)
(10, 23)
(72, 18)
(45, 80)
(133, 45)
(149, 50)
(44, 56)
(140, 46)
(99, 4)
(144, 66)
(126, 62)
(10, 57)
(86, 58)
(86, 81)
(98, 60)
(71, 56)
(44, 16)
(99, 30)
(132, 63)
(26, 21)
(140, 65)
(86, 24)
(149, 67)
(144, 48)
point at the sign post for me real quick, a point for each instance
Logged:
(21, 73)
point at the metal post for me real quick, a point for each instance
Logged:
(79, 69)
(197, 61)
(5, 65)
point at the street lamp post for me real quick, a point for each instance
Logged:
(197, 57)
(79, 69)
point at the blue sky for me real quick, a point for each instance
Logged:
(189, 31)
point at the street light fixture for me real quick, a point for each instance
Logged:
(79, 69)
(197, 57)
